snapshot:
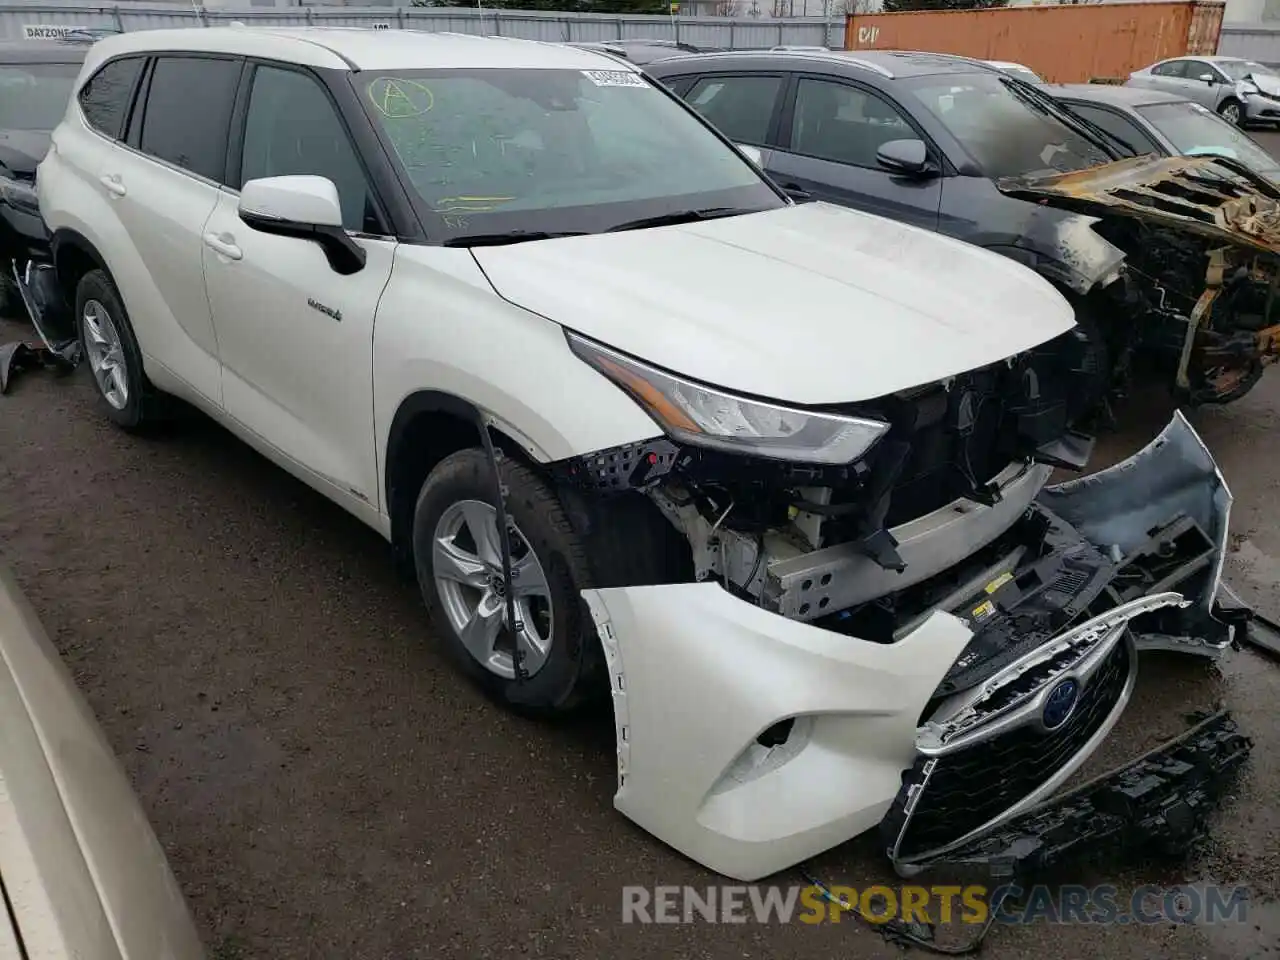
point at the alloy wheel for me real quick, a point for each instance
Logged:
(105, 352)
(466, 564)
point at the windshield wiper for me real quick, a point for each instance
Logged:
(511, 236)
(1038, 100)
(682, 216)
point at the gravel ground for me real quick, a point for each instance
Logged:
(327, 787)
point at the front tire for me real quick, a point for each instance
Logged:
(111, 352)
(457, 557)
(1232, 111)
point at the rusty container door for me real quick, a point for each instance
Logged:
(1064, 43)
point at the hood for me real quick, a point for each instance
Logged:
(22, 150)
(1216, 197)
(811, 304)
(1266, 82)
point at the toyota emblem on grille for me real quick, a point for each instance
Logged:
(1060, 703)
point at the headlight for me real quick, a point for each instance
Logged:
(18, 194)
(700, 415)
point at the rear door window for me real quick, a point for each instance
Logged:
(740, 107)
(188, 113)
(104, 99)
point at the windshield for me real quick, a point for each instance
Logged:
(492, 151)
(1003, 129)
(1195, 130)
(34, 96)
(1239, 69)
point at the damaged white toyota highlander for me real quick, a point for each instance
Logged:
(772, 474)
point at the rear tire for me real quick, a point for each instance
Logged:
(110, 350)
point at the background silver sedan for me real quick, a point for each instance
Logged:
(1240, 91)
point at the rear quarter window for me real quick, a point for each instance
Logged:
(105, 98)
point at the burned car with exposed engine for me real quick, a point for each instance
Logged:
(1170, 263)
(771, 475)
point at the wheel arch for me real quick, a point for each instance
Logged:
(74, 255)
(1232, 99)
(428, 426)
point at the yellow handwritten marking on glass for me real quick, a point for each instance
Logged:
(468, 204)
(398, 98)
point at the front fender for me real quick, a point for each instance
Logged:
(1066, 250)
(440, 326)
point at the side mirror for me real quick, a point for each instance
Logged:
(909, 157)
(751, 153)
(1208, 78)
(306, 208)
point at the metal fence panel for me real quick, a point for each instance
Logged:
(1254, 41)
(728, 32)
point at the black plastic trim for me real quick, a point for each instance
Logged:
(424, 401)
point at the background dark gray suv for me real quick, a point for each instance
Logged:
(915, 137)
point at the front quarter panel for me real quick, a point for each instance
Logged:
(1058, 244)
(441, 327)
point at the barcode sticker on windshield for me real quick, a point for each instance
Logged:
(614, 78)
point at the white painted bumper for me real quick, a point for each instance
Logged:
(698, 675)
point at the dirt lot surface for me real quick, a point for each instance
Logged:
(327, 787)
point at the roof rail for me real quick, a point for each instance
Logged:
(875, 67)
(834, 56)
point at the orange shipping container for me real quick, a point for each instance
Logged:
(1064, 43)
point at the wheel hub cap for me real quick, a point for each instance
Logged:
(105, 352)
(466, 564)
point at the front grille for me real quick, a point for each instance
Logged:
(969, 788)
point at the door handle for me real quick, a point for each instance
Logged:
(223, 245)
(113, 185)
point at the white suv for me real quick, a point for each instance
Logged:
(754, 458)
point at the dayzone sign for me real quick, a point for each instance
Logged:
(48, 31)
